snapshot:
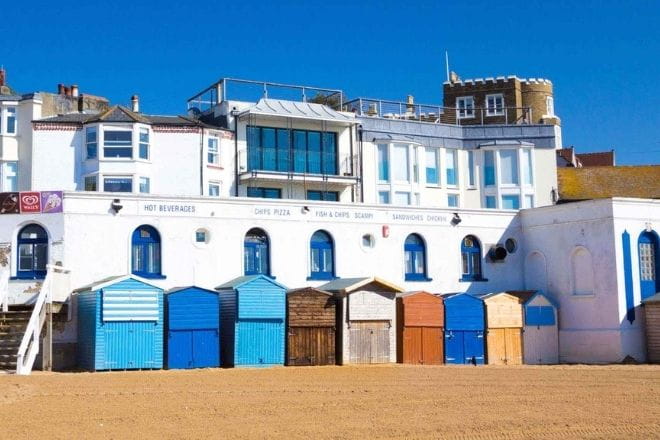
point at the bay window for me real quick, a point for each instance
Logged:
(400, 163)
(509, 167)
(383, 163)
(118, 184)
(9, 175)
(91, 143)
(118, 144)
(144, 144)
(450, 166)
(432, 177)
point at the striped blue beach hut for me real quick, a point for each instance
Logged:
(120, 324)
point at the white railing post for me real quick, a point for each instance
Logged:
(4, 290)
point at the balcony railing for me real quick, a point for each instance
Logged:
(378, 108)
(294, 162)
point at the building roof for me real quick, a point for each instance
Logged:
(100, 284)
(239, 281)
(347, 285)
(567, 157)
(299, 110)
(606, 182)
(302, 289)
(598, 159)
(181, 288)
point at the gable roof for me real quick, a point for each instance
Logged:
(299, 110)
(487, 296)
(308, 288)
(348, 285)
(182, 288)
(598, 159)
(606, 182)
(108, 281)
(240, 281)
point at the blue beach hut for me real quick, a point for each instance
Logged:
(465, 323)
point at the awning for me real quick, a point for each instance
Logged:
(299, 110)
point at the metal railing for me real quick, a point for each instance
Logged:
(4, 289)
(29, 348)
(378, 108)
(292, 162)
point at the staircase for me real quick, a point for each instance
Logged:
(12, 329)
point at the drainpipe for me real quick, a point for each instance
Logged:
(351, 164)
(235, 155)
(361, 164)
(201, 161)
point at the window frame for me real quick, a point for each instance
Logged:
(88, 178)
(321, 246)
(495, 111)
(465, 111)
(454, 153)
(411, 251)
(214, 184)
(5, 176)
(256, 247)
(468, 253)
(142, 180)
(141, 245)
(213, 152)
(262, 192)
(323, 195)
(35, 272)
(95, 142)
(119, 176)
(435, 151)
(11, 114)
(142, 144)
(121, 146)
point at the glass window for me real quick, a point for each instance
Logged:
(201, 236)
(402, 198)
(509, 167)
(299, 151)
(256, 258)
(32, 243)
(321, 256)
(368, 241)
(145, 184)
(284, 150)
(214, 189)
(213, 156)
(91, 143)
(452, 177)
(118, 184)
(264, 193)
(471, 259)
(328, 196)
(11, 120)
(384, 197)
(144, 143)
(9, 174)
(314, 152)
(268, 149)
(329, 151)
(465, 107)
(400, 163)
(415, 258)
(146, 261)
(91, 183)
(452, 200)
(491, 203)
(118, 143)
(494, 105)
(471, 168)
(529, 201)
(383, 163)
(510, 202)
(647, 246)
(489, 168)
(432, 177)
(550, 106)
(527, 163)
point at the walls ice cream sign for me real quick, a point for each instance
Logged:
(31, 202)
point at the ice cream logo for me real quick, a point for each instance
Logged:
(30, 202)
(51, 201)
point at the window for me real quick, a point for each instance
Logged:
(11, 120)
(321, 250)
(383, 163)
(202, 236)
(118, 184)
(510, 202)
(384, 197)
(144, 144)
(118, 144)
(489, 168)
(256, 253)
(432, 177)
(648, 264)
(582, 272)
(400, 163)
(471, 168)
(368, 241)
(213, 156)
(32, 244)
(91, 183)
(9, 174)
(214, 189)
(509, 167)
(145, 185)
(491, 203)
(415, 258)
(313, 152)
(145, 245)
(529, 201)
(528, 176)
(550, 106)
(495, 105)
(511, 245)
(452, 200)
(91, 143)
(452, 178)
(471, 259)
(264, 193)
(327, 196)
(465, 107)
(402, 198)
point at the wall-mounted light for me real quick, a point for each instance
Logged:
(456, 219)
(116, 206)
(305, 209)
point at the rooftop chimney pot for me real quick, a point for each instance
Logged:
(60, 89)
(135, 103)
(74, 90)
(3, 76)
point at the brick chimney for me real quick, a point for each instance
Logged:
(3, 77)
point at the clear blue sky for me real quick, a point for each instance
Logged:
(602, 56)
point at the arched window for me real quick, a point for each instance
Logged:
(145, 251)
(322, 258)
(582, 272)
(471, 259)
(256, 256)
(648, 264)
(536, 276)
(32, 244)
(415, 258)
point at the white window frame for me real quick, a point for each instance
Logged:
(140, 130)
(87, 142)
(88, 176)
(437, 153)
(127, 128)
(116, 176)
(3, 176)
(214, 183)
(471, 169)
(458, 200)
(550, 105)
(148, 182)
(216, 154)
(467, 111)
(6, 120)
(493, 111)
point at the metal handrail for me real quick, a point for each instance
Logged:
(4, 290)
(29, 348)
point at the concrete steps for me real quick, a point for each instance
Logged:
(12, 328)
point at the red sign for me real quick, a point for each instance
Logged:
(30, 202)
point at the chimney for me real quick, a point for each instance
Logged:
(67, 91)
(74, 90)
(454, 78)
(3, 76)
(410, 104)
(135, 103)
(60, 89)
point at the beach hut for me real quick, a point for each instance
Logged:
(192, 328)
(464, 329)
(504, 324)
(652, 315)
(367, 316)
(541, 330)
(420, 322)
(120, 324)
(252, 319)
(311, 324)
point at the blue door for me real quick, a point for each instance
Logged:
(179, 350)
(260, 342)
(454, 353)
(474, 347)
(130, 345)
(648, 251)
(205, 348)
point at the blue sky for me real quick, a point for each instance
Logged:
(602, 56)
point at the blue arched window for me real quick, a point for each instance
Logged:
(415, 257)
(32, 244)
(256, 253)
(471, 259)
(145, 251)
(648, 264)
(321, 251)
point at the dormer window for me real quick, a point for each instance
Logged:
(118, 144)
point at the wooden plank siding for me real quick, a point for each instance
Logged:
(311, 346)
(311, 321)
(504, 346)
(652, 312)
(420, 336)
(311, 308)
(504, 311)
(370, 342)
